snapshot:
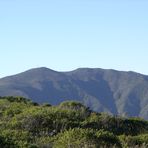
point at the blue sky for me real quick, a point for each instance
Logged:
(67, 34)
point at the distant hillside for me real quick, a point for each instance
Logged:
(117, 92)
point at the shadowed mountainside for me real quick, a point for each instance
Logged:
(116, 92)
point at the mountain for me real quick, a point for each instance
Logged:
(116, 92)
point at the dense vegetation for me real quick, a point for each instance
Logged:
(26, 124)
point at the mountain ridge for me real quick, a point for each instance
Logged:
(103, 90)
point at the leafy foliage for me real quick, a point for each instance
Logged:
(26, 124)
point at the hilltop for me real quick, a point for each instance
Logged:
(115, 92)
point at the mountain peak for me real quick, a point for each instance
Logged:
(112, 91)
(41, 69)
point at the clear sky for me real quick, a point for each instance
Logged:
(67, 34)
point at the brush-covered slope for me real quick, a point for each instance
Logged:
(117, 92)
(25, 124)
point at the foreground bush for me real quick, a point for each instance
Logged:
(86, 138)
(25, 124)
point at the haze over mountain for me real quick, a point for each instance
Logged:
(116, 92)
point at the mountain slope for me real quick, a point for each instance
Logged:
(102, 90)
